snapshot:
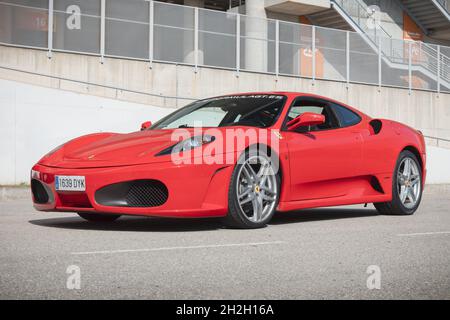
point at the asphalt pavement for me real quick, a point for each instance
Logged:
(332, 253)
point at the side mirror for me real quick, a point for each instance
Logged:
(305, 120)
(146, 125)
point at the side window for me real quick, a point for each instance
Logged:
(298, 110)
(346, 117)
(316, 106)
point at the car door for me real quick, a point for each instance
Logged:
(323, 158)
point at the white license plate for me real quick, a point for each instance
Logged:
(70, 183)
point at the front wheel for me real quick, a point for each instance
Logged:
(406, 187)
(95, 217)
(253, 193)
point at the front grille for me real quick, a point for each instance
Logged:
(39, 193)
(137, 193)
(147, 193)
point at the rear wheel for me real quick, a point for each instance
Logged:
(253, 193)
(95, 217)
(406, 187)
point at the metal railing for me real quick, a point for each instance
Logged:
(444, 4)
(154, 31)
(414, 56)
(438, 142)
(167, 100)
(362, 14)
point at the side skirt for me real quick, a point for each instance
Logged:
(330, 202)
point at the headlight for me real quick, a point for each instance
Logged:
(187, 144)
(35, 174)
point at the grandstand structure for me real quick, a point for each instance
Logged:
(398, 43)
(72, 67)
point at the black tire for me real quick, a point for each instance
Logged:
(96, 217)
(396, 207)
(236, 218)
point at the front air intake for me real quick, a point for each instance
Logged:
(40, 195)
(137, 193)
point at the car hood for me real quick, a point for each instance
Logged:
(111, 149)
(114, 149)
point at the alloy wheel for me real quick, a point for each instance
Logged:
(408, 183)
(257, 188)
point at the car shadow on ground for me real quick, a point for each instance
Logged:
(148, 224)
(133, 224)
(320, 214)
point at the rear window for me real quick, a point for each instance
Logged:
(346, 116)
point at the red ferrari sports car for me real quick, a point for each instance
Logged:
(241, 157)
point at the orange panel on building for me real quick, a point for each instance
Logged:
(412, 32)
(32, 20)
(306, 57)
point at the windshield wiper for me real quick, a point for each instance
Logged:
(184, 126)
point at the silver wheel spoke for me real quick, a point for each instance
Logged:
(264, 175)
(257, 209)
(262, 170)
(400, 178)
(415, 179)
(246, 192)
(267, 197)
(268, 190)
(411, 195)
(407, 168)
(403, 193)
(246, 200)
(247, 174)
(251, 172)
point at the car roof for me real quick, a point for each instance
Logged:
(291, 94)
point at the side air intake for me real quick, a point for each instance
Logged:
(376, 125)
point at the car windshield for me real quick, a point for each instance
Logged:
(246, 110)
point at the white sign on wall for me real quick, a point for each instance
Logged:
(73, 22)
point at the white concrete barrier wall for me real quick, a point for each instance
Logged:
(438, 165)
(34, 120)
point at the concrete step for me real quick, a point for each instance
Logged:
(428, 14)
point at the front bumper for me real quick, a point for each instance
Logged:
(193, 190)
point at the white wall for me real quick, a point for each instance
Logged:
(438, 165)
(34, 120)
